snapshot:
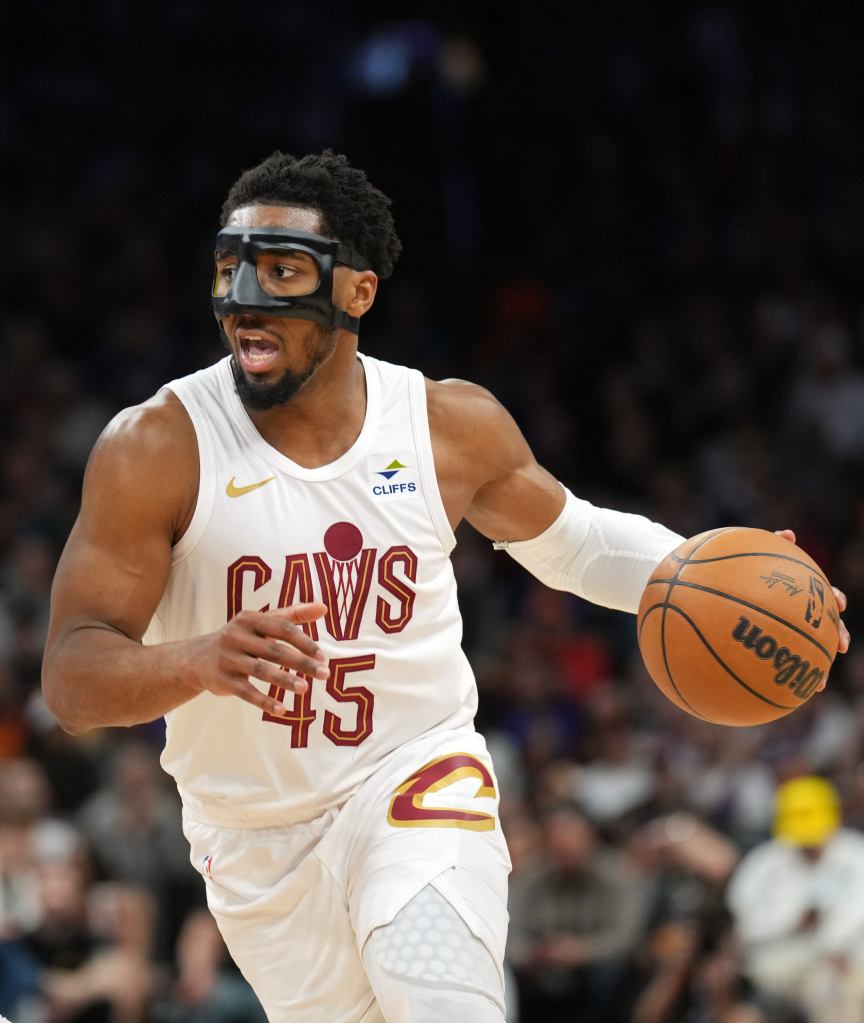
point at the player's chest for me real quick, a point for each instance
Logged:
(362, 546)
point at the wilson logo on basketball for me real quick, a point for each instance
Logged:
(792, 670)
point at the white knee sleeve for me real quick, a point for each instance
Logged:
(602, 555)
(426, 966)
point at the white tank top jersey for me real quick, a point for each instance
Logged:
(368, 536)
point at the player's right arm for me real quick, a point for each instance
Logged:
(139, 491)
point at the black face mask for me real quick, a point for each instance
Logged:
(281, 272)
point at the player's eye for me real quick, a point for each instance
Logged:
(223, 278)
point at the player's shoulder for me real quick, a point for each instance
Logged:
(144, 466)
(454, 389)
(461, 407)
(160, 421)
(469, 422)
(156, 435)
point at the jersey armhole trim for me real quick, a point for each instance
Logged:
(205, 500)
(157, 623)
(426, 461)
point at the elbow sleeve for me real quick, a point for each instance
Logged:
(602, 555)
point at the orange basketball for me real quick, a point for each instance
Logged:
(738, 626)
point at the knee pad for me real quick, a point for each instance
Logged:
(426, 966)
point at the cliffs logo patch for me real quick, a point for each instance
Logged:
(394, 475)
(392, 469)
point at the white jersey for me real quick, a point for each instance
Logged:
(368, 536)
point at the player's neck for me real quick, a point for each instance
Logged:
(323, 420)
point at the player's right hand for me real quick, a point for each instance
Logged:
(266, 645)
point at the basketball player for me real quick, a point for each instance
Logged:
(262, 556)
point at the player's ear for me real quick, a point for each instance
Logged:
(360, 292)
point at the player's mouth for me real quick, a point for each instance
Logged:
(258, 351)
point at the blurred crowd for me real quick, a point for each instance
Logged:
(645, 237)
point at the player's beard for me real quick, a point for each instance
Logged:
(318, 344)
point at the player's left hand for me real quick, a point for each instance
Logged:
(843, 642)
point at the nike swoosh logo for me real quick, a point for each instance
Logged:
(233, 491)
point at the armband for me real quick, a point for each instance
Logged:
(602, 555)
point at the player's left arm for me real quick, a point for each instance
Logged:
(488, 475)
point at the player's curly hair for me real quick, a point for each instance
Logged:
(352, 209)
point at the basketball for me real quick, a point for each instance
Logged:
(737, 626)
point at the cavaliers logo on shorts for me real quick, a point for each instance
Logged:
(408, 809)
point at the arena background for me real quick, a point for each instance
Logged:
(643, 232)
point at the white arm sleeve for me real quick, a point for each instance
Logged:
(602, 555)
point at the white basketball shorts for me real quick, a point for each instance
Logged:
(296, 905)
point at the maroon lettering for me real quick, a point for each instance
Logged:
(299, 717)
(250, 564)
(344, 595)
(297, 587)
(362, 697)
(394, 618)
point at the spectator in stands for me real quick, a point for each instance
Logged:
(96, 948)
(207, 987)
(617, 780)
(688, 341)
(686, 969)
(575, 918)
(798, 904)
(133, 827)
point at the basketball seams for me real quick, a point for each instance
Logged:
(705, 539)
(645, 614)
(674, 684)
(688, 641)
(666, 605)
(674, 607)
(752, 554)
(753, 607)
(724, 665)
